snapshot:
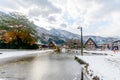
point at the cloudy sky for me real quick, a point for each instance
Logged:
(97, 17)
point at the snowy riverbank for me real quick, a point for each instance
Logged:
(9, 55)
(103, 67)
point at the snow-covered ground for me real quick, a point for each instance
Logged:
(12, 53)
(104, 67)
(105, 52)
(6, 55)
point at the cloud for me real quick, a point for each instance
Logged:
(43, 8)
(51, 19)
(9, 4)
(33, 7)
(44, 12)
(100, 17)
(63, 25)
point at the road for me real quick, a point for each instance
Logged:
(42, 67)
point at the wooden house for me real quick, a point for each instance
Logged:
(52, 45)
(73, 43)
(90, 44)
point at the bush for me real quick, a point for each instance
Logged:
(58, 49)
(2, 45)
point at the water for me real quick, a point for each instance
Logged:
(42, 67)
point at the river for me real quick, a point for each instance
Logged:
(46, 66)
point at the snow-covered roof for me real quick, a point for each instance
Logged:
(116, 41)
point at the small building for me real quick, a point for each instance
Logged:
(43, 46)
(116, 44)
(73, 44)
(90, 44)
(52, 45)
(40, 45)
(104, 46)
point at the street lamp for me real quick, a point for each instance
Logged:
(81, 40)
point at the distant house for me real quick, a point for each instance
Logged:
(116, 44)
(104, 46)
(40, 45)
(90, 44)
(73, 44)
(43, 46)
(52, 45)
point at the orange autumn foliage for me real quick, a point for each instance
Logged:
(23, 35)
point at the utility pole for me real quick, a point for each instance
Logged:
(81, 40)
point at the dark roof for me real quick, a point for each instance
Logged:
(116, 41)
(91, 40)
(52, 42)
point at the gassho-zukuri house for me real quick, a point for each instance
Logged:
(92, 44)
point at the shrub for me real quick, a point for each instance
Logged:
(58, 49)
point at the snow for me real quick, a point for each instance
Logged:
(105, 67)
(19, 53)
(107, 52)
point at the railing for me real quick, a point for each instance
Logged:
(84, 66)
(86, 76)
(71, 51)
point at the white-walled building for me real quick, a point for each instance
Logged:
(116, 44)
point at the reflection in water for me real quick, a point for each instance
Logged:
(43, 67)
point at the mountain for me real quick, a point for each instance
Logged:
(46, 36)
(64, 34)
(42, 30)
(57, 35)
(61, 36)
(68, 35)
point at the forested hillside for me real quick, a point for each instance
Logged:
(17, 32)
